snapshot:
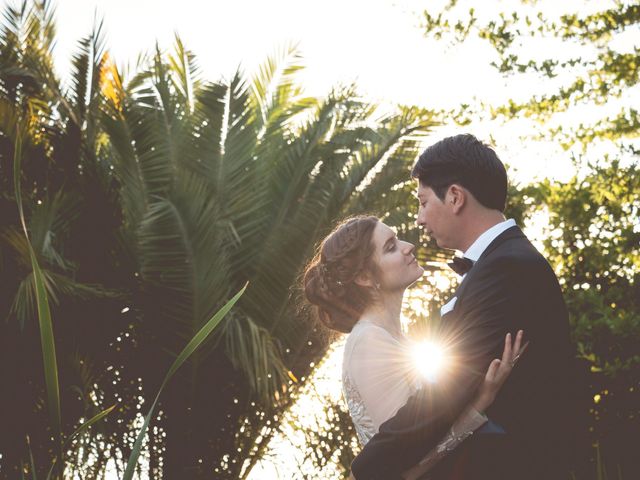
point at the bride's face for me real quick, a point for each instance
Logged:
(396, 265)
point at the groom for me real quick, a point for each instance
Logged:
(506, 285)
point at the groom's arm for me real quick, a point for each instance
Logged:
(489, 311)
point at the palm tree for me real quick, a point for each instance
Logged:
(232, 181)
(160, 195)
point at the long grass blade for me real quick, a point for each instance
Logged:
(191, 347)
(44, 314)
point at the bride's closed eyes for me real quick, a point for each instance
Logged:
(390, 244)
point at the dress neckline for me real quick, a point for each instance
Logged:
(363, 321)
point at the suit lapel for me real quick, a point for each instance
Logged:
(508, 234)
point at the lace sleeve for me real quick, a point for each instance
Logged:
(467, 423)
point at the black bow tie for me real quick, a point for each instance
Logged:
(461, 265)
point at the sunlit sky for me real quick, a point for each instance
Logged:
(376, 43)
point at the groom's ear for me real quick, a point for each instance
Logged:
(456, 197)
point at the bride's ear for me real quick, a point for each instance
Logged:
(364, 279)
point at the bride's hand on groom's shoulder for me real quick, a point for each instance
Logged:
(498, 371)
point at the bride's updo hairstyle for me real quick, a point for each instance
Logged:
(329, 278)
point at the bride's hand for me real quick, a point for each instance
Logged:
(498, 372)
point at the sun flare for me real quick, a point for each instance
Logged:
(428, 358)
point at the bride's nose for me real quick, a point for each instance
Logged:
(408, 248)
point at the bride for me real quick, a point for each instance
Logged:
(356, 283)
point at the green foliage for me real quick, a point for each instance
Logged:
(592, 240)
(596, 72)
(39, 290)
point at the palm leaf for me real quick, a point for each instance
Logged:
(276, 93)
(138, 176)
(185, 71)
(86, 79)
(48, 220)
(254, 351)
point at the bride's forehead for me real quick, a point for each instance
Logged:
(383, 231)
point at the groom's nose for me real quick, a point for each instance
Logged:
(420, 220)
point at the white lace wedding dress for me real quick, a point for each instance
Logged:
(378, 377)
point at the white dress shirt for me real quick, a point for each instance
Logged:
(475, 251)
(478, 247)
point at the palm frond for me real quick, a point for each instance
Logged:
(276, 91)
(56, 285)
(207, 136)
(86, 77)
(138, 176)
(255, 352)
(167, 262)
(237, 182)
(186, 75)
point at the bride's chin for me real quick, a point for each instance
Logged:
(417, 277)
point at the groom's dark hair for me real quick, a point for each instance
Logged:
(466, 161)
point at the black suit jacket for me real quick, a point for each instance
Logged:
(510, 287)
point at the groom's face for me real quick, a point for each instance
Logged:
(434, 216)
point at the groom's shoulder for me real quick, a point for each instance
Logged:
(517, 252)
(519, 259)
